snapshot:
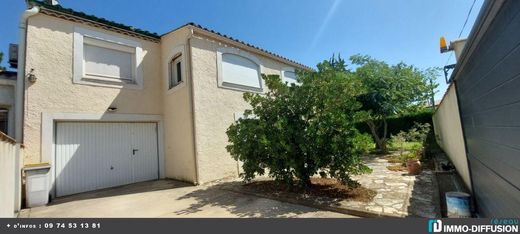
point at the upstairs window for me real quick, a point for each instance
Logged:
(106, 60)
(239, 70)
(289, 76)
(176, 71)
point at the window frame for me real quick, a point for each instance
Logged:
(84, 36)
(174, 71)
(244, 88)
(284, 79)
(173, 54)
(7, 121)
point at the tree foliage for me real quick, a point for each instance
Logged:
(390, 90)
(293, 132)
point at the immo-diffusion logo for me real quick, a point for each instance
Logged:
(495, 226)
(434, 225)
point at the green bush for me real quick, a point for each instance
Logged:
(404, 122)
(408, 156)
(295, 132)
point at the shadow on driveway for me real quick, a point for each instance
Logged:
(169, 198)
(242, 205)
(142, 187)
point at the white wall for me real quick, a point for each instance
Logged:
(215, 109)
(9, 177)
(448, 132)
(50, 50)
(178, 119)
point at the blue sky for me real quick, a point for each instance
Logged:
(308, 31)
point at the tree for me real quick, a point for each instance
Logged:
(1, 58)
(390, 90)
(294, 132)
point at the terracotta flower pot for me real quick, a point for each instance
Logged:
(413, 166)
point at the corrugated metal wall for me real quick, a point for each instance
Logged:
(489, 98)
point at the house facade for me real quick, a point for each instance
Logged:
(106, 104)
(7, 90)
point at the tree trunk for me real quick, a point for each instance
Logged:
(385, 131)
(305, 182)
(304, 175)
(379, 140)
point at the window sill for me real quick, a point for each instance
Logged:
(241, 88)
(108, 83)
(173, 89)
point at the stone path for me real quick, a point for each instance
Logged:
(398, 194)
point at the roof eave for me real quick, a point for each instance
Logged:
(71, 15)
(242, 45)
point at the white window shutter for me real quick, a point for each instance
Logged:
(240, 71)
(108, 63)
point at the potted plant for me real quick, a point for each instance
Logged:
(413, 165)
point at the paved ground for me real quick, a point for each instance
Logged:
(397, 192)
(168, 198)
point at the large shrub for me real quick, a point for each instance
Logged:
(402, 122)
(294, 132)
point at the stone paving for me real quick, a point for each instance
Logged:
(398, 194)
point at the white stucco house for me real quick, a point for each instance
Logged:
(107, 104)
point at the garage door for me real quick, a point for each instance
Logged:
(92, 156)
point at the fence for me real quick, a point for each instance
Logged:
(10, 176)
(448, 133)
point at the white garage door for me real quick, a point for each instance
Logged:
(92, 156)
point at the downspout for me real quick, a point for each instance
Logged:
(192, 107)
(20, 78)
(19, 102)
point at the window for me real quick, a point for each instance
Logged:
(4, 124)
(107, 60)
(289, 76)
(107, 63)
(175, 72)
(238, 70)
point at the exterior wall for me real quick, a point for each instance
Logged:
(214, 110)
(50, 54)
(9, 177)
(448, 132)
(178, 118)
(489, 98)
(7, 89)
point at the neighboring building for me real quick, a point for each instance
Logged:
(7, 104)
(485, 93)
(107, 104)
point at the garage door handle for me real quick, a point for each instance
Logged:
(134, 150)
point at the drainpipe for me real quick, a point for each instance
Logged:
(20, 78)
(192, 107)
(19, 101)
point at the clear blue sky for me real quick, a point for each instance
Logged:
(308, 31)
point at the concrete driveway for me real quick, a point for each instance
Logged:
(169, 198)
